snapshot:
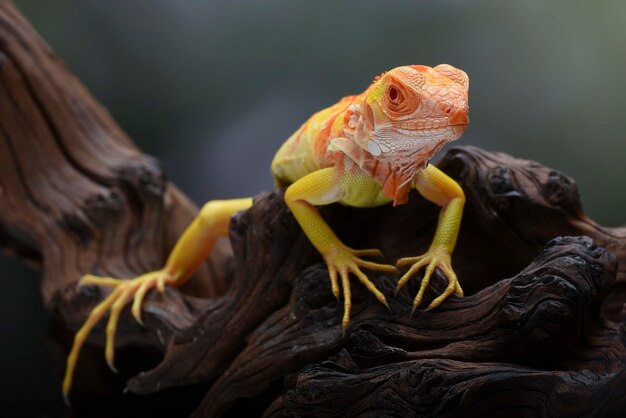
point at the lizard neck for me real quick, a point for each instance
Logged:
(394, 174)
(394, 169)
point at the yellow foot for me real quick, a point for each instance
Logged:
(123, 291)
(345, 260)
(435, 257)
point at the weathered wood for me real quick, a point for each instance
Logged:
(540, 332)
(76, 196)
(550, 315)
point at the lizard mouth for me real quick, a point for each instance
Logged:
(459, 121)
(434, 131)
(459, 129)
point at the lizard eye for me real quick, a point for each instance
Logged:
(400, 101)
(394, 95)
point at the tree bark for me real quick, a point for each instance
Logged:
(539, 332)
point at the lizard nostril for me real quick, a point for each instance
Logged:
(448, 110)
(459, 117)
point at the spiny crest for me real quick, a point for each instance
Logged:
(378, 77)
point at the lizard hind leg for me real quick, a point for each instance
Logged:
(188, 254)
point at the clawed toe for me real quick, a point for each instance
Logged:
(344, 261)
(123, 292)
(434, 258)
(89, 279)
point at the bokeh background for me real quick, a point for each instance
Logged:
(212, 88)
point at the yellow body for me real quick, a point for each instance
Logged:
(343, 154)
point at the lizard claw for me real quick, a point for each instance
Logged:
(434, 258)
(123, 291)
(342, 261)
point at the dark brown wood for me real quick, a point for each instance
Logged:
(550, 308)
(540, 331)
(76, 196)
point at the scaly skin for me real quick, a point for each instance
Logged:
(367, 150)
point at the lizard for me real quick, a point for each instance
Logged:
(366, 150)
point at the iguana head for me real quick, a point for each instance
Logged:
(412, 111)
(404, 117)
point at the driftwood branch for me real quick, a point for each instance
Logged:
(76, 196)
(540, 331)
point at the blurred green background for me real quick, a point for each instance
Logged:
(213, 88)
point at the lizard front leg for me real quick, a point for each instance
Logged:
(323, 187)
(190, 251)
(437, 187)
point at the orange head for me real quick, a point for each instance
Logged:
(404, 117)
(410, 112)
